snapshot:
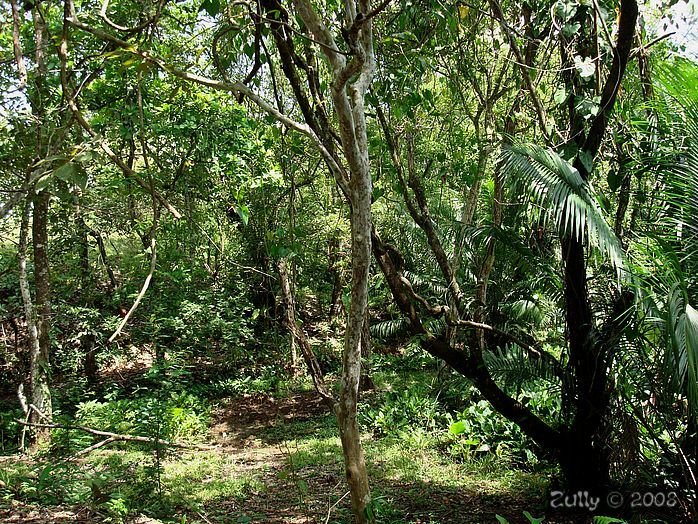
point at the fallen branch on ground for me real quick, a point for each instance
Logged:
(114, 437)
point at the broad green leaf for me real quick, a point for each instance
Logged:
(571, 29)
(614, 180)
(560, 95)
(457, 428)
(565, 9)
(212, 7)
(43, 183)
(72, 173)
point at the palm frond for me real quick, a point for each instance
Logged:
(569, 199)
(682, 338)
(387, 329)
(525, 310)
(515, 366)
(680, 88)
(423, 282)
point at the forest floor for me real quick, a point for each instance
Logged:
(273, 458)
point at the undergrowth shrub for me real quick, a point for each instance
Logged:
(175, 417)
(478, 429)
(184, 416)
(407, 409)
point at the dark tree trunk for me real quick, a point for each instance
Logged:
(583, 452)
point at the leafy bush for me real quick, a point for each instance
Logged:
(177, 417)
(9, 429)
(404, 410)
(184, 416)
(479, 429)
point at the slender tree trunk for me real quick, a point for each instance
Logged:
(39, 372)
(354, 461)
(298, 334)
(40, 312)
(32, 331)
(103, 256)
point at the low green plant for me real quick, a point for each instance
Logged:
(399, 411)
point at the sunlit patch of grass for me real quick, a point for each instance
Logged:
(415, 461)
(198, 478)
(300, 430)
(314, 452)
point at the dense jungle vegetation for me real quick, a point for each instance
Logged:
(348, 261)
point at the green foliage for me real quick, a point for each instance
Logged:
(183, 416)
(516, 368)
(478, 430)
(570, 200)
(403, 411)
(9, 429)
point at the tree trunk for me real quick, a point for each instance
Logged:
(583, 454)
(298, 334)
(32, 331)
(39, 360)
(354, 462)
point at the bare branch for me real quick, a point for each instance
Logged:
(141, 294)
(17, 44)
(113, 437)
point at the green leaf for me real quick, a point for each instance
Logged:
(501, 519)
(531, 519)
(560, 95)
(72, 173)
(85, 156)
(377, 193)
(457, 428)
(244, 214)
(565, 9)
(570, 30)
(614, 180)
(585, 66)
(212, 7)
(43, 183)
